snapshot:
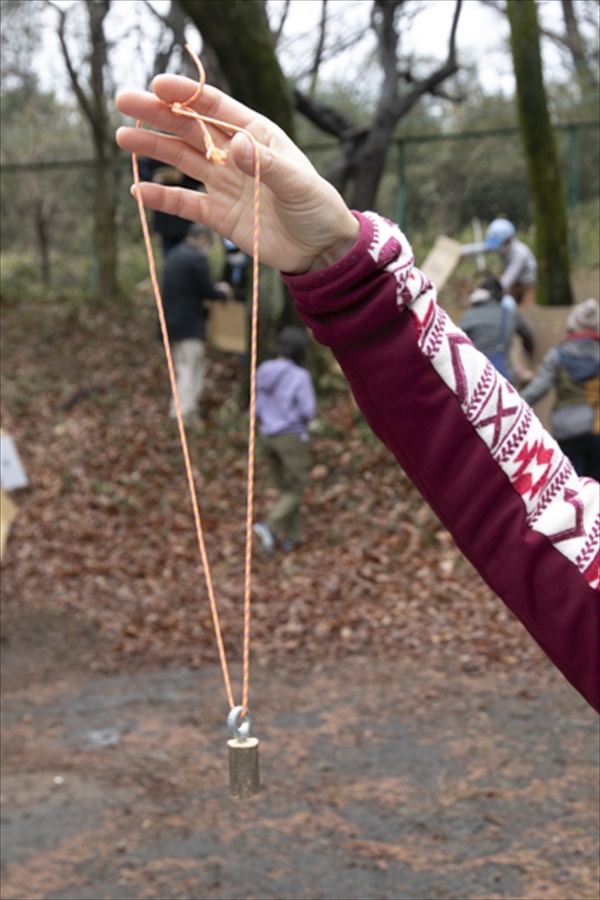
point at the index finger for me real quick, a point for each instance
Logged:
(154, 108)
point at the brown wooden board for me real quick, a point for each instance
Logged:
(8, 512)
(226, 326)
(442, 260)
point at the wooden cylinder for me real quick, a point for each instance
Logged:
(243, 768)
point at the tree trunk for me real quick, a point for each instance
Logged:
(94, 107)
(552, 241)
(239, 33)
(105, 228)
(371, 164)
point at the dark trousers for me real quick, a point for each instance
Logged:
(289, 461)
(584, 453)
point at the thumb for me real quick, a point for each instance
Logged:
(244, 153)
(277, 172)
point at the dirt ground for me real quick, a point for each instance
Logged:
(380, 779)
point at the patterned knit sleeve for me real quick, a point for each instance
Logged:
(471, 445)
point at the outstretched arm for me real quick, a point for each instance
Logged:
(305, 224)
(496, 479)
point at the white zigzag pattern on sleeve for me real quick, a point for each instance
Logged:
(530, 458)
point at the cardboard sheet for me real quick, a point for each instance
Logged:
(442, 260)
(226, 326)
(8, 513)
(12, 473)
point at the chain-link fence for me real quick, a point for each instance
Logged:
(443, 184)
(432, 185)
(47, 227)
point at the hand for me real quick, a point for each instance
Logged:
(304, 223)
(226, 288)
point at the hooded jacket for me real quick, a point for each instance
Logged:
(285, 399)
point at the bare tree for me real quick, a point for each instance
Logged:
(91, 90)
(363, 149)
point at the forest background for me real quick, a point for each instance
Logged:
(454, 154)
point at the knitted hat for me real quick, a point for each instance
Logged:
(585, 316)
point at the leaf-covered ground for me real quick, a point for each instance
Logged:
(106, 525)
(414, 741)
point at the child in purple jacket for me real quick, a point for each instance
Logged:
(285, 404)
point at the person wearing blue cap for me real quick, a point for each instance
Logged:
(520, 264)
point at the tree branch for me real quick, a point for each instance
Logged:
(277, 34)
(74, 78)
(430, 85)
(174, 21)
(329, 120)
(314, 74)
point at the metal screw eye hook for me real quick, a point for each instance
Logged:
(239, 730)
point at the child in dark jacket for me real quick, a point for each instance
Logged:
(285, 405)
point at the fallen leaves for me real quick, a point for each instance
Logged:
(106, 525)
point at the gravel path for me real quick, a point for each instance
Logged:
(379, 781)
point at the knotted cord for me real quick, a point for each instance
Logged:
(219, 156)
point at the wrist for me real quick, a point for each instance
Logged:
(339, 248)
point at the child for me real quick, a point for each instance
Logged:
(285, 404)
(520, 264)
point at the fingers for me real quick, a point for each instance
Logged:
(145, 107)
(170, 150)
(211, 102)
(284, 170)
(174, 201)
(154, 108)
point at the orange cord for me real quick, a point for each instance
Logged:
(219, 156)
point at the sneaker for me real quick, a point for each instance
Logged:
(263, 533)
(287, 546)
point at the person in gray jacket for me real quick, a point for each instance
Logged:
(492, 322)
(520, 264)
(573, 368)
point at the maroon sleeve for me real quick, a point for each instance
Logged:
(471, 445)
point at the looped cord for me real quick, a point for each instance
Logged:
(219, 156)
